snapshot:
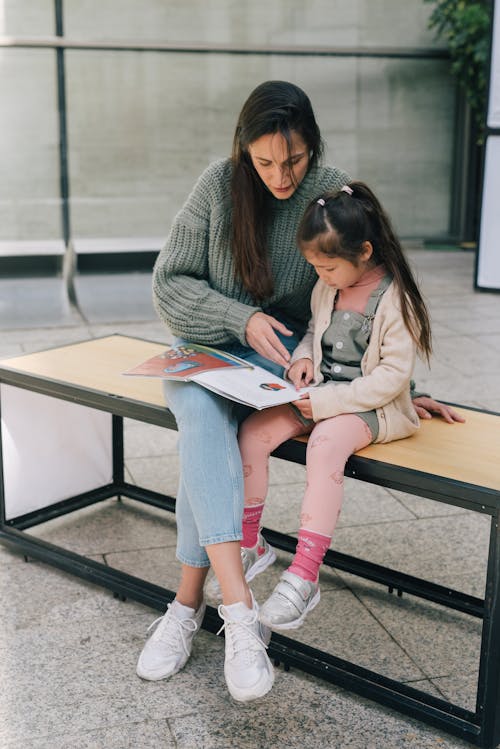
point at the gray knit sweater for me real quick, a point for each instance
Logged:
(194, 288)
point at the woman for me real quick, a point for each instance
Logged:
(230, 276)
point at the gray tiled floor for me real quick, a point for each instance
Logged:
(68, 649)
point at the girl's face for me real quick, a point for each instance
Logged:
(281, 173)
(338, 272)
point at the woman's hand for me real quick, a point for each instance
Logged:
(260, 335)
(304, 406)
(301, 373)
(425, 407)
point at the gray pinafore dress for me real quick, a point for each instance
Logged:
(343, 344)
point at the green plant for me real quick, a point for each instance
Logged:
(465, 25)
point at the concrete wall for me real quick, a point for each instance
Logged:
(142, 125)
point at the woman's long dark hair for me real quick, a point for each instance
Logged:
(340, 224)
(273, 107)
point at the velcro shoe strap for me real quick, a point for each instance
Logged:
(295, 590)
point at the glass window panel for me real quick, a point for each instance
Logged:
(27, 17)
(29, 151)
(142, 127)
(288, 22)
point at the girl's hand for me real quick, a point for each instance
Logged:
(260, 335)
(425, 407)
(304, 406)
(300, 373)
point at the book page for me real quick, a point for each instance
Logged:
(255, 387)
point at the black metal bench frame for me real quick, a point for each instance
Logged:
(481, 728)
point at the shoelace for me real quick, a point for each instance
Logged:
(171, 625)
(249, 641)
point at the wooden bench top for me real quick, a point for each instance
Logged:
(467, 452)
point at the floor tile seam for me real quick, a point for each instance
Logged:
(427, 676)
(171, 730)
(393, 638)
(341, 525)
(285, 484)
(399, 500)
(424, 518)
(452, 616)
(465, 674)
(380, 523)
(69, 326)
(93, 554)
(137, 549)
(445, 516)
(82, 733)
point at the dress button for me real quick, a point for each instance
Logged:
(339, 344)
(337, 368)
(346, 315)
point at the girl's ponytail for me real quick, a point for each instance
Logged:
(339, 225)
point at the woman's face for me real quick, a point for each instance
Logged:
(280, 172)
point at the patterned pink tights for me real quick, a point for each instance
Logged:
(331, 443)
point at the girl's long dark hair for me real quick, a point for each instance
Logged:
(273, 107)
(341, 226)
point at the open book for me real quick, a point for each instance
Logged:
(222, 373)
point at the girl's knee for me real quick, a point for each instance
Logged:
(248, 432)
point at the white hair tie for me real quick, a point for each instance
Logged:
(346, 189)
(320, 201)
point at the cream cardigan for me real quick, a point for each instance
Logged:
(387, 367)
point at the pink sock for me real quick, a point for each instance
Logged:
(251, 525)
(311, 549)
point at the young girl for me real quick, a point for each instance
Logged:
(368, 322)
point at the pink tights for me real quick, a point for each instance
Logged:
(331, 443)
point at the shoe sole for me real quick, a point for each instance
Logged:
(150, 677)
(296, 623)
(258, 691)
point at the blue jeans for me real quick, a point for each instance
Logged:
(209, 507)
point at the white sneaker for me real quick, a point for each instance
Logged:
(169, 647)
(247, 668)
(253, 564)
(290, 602)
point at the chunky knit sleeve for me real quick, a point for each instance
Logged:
(183, 289)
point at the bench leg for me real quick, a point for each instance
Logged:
(488, 693)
